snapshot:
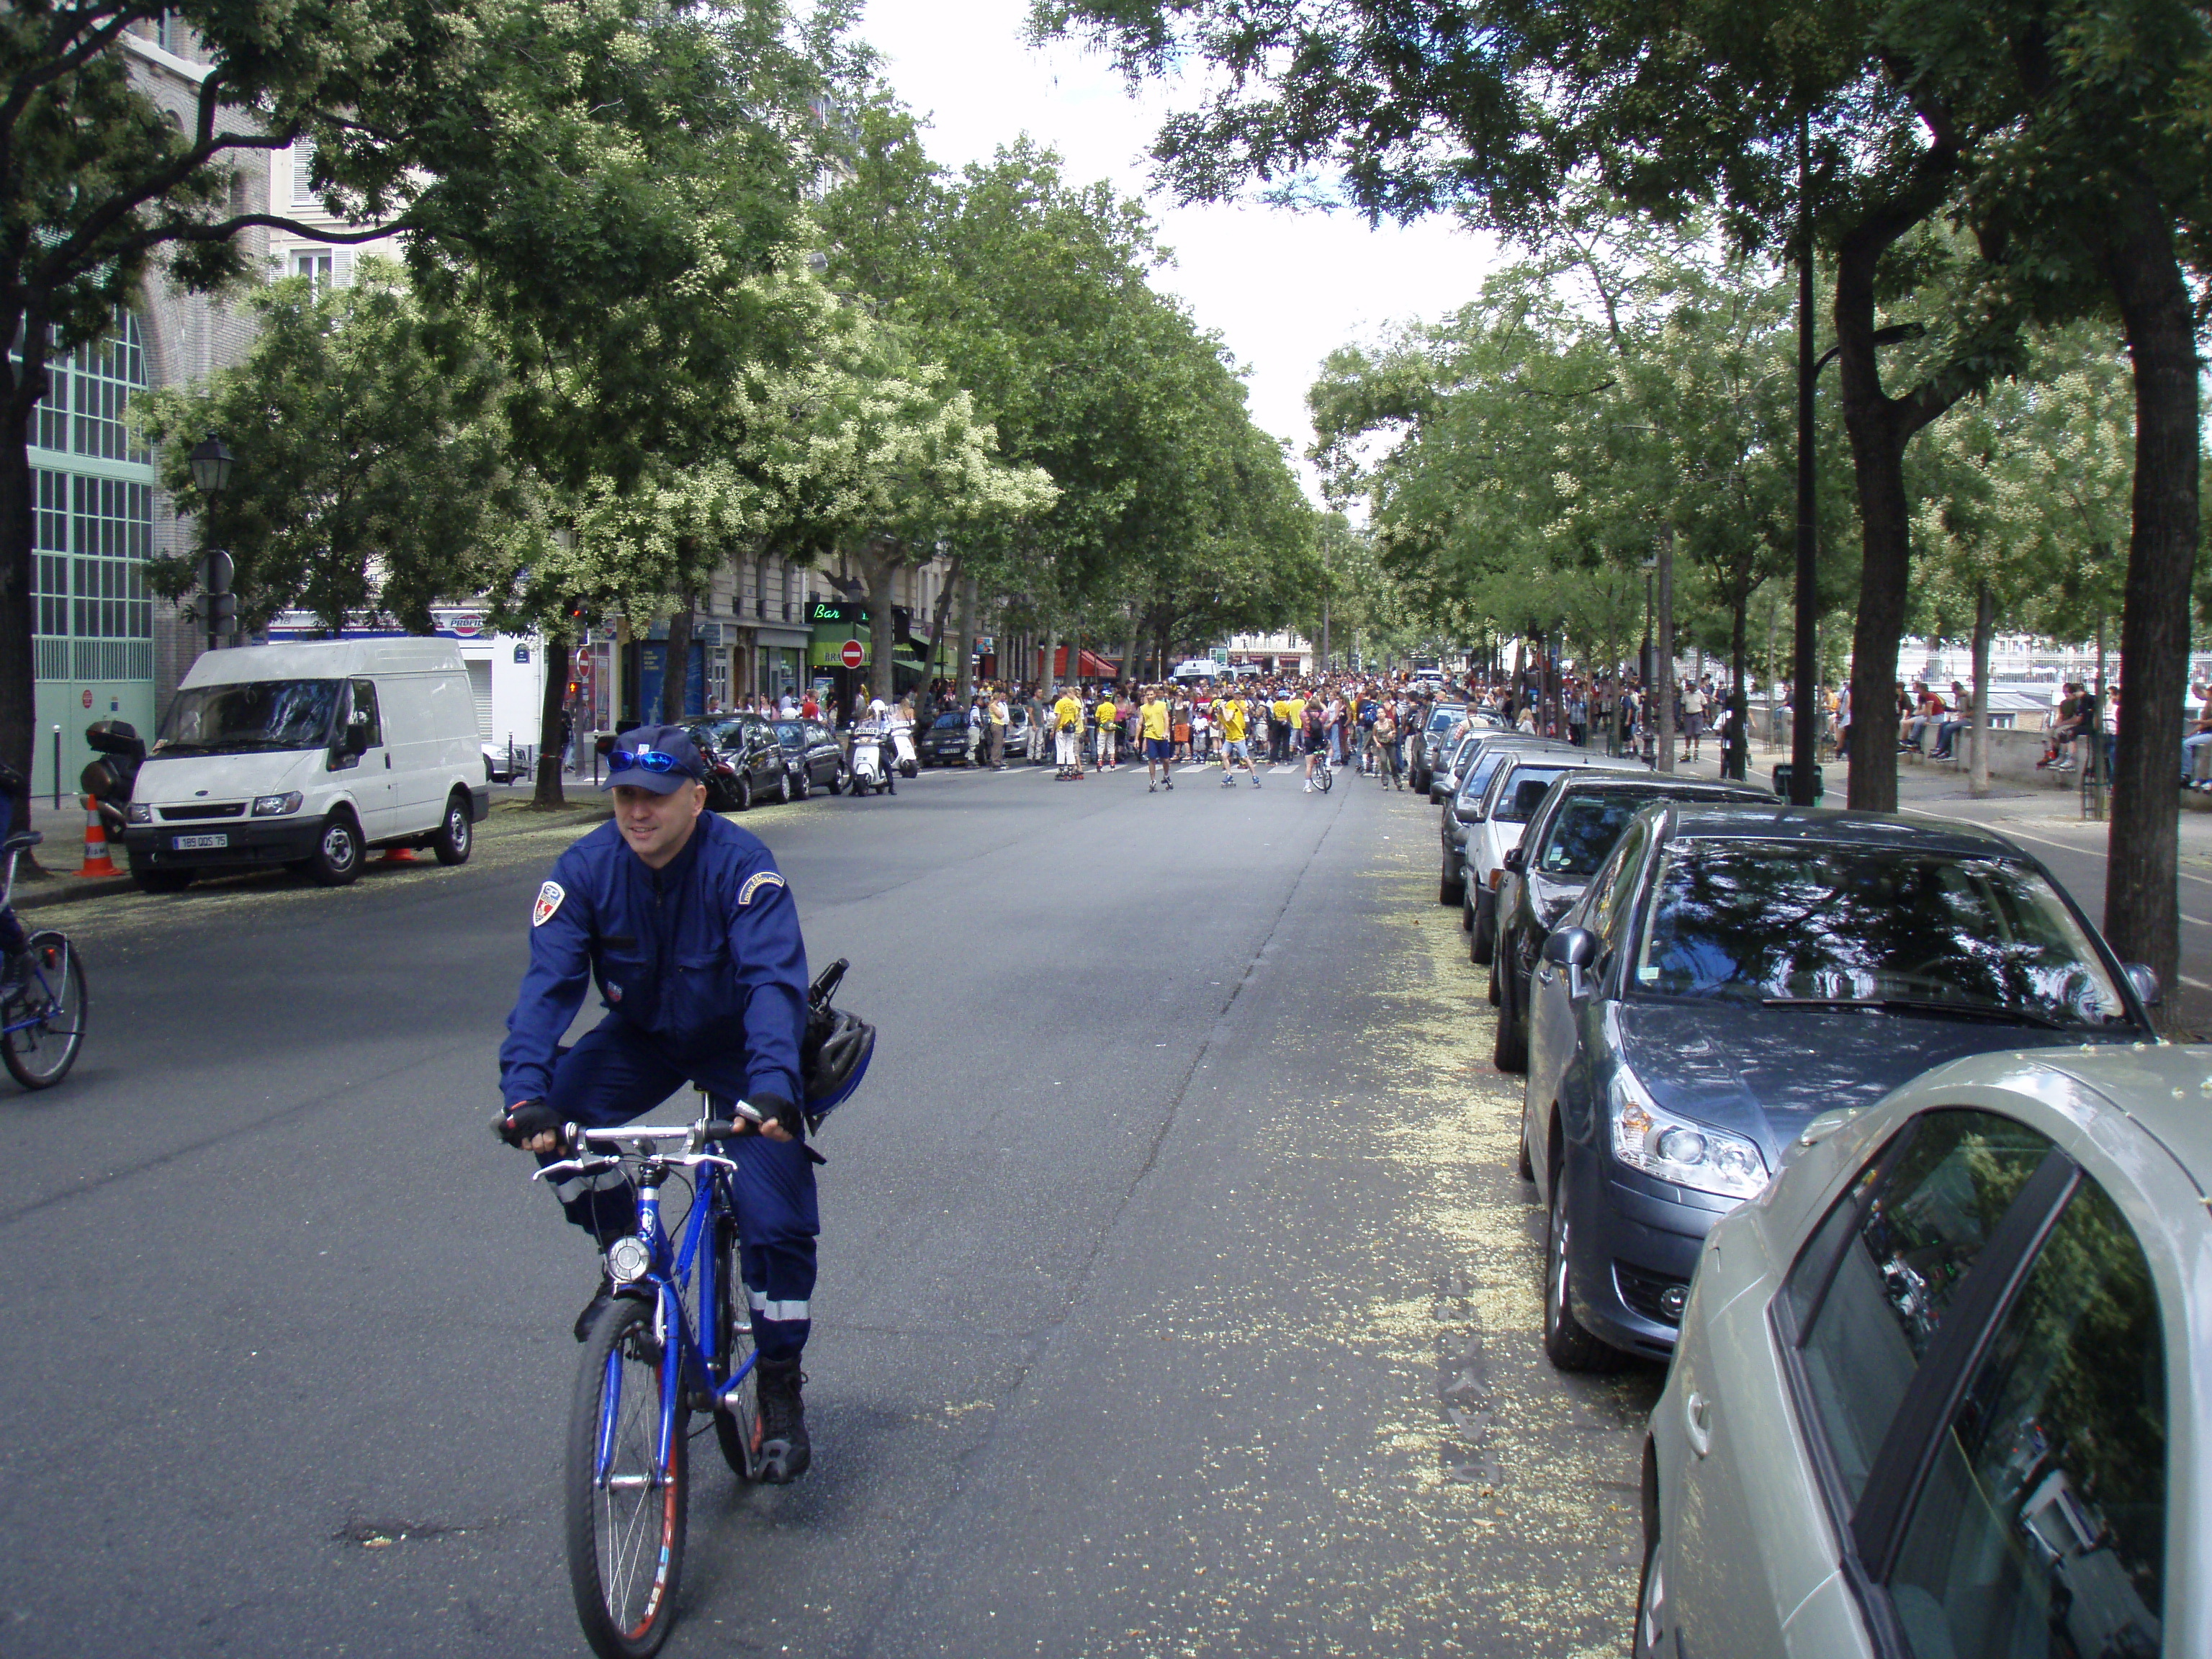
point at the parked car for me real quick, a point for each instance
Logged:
(1731, 972)
(745, 763)
(1507, 803)
(1572, 831)
(308, 756)
(1419, 762)
(509, 762)
(1938, 1390)
(813, 756)
(945, 742)
(1486, 754)
(1452, 761)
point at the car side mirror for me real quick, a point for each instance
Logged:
(2148, 992)
(1513, 859)
(1573, 948)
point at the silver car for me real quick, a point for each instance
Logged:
(1936, 1391)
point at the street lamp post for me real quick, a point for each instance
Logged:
(211, 463)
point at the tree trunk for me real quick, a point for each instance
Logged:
(963, 654)
(1663, 689)
(2142, 904)
(939, 611)
(1736, 757)
(18, 705)
(677, 673)
(549, 792)
(878, 567)
(1978, 775)
(1048, 676)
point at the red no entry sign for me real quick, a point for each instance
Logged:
(853, 654)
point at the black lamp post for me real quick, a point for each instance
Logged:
(211, 463)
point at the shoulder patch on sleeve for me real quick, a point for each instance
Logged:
(549, 900)
(756, 881)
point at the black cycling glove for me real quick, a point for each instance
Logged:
(775, 1109)
(520, 1123)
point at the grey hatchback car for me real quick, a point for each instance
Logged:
(1938, 1391)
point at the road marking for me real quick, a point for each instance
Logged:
(2022, 835)
(2193, 984)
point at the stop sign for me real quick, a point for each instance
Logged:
(853, 654)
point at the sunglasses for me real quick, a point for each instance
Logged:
(645, 760)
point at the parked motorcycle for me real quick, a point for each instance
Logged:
(909, 763)
(870, 775)
(110, 778)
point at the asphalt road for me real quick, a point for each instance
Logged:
(1178, 1295)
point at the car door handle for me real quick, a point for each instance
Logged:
(1698, 1423)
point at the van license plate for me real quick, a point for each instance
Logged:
(198, 843)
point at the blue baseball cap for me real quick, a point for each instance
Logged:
(660, 758)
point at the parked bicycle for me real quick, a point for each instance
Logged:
(42, 1020)
(644, 1373)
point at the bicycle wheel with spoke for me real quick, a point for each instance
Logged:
(627, 1492)
(44, 1027)
(736, 1425)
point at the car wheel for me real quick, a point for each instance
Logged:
(337, 858)
(456, 832)
(1566, 1344)
(746, 792)
(1524, 1165)
(1479, 939)
(783, 785)
(1448, 890)
(804, 787)
(841, 780)
(160, 881)
(1510, 1053)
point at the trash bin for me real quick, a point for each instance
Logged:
(1783, 774)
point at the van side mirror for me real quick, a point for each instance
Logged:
(1513, 860)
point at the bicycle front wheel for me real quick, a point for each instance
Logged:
(42, 1030)
(627, 1491)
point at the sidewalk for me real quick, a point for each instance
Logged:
(63, 854)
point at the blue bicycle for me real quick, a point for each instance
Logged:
(42, 1018)
(644, 1373)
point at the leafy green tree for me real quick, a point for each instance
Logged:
(373, 475)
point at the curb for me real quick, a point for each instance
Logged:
(507, 818)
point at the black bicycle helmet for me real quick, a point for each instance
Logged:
(838, 1048)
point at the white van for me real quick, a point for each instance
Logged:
(309, 754)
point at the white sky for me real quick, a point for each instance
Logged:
(1283, 289)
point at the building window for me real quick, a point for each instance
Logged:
(87, 392)
(315, 261)
(111, 614)
(303, 173)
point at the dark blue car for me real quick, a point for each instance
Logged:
(1732, 971)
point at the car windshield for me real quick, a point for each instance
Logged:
(1792, 923)
(1444, 718)
(954, 721)
(1479, 775)
(791, 734)
(1582, 832)
(250, 715)
(720, 734)
(1523, 793)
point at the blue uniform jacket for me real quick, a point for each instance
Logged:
(703, 956)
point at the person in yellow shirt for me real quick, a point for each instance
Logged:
(1232, 713)
(1108, 719)
(1279, 731)
(1159, 752)
(1067, 734)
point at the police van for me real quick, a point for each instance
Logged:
(308, 756)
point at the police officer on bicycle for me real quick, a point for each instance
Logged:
(687, 925)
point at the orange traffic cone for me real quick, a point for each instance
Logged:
(398, 855)
(96, 862)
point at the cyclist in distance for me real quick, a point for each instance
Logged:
(687, 925)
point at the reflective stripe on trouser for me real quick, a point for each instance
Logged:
(614, 1075)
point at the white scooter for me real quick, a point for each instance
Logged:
(909, 763)
(870, 777)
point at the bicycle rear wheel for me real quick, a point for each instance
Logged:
(736, 1424)
(44, 1028)
(626, 1496)
(1325, 778)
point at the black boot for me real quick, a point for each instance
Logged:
(785, 1451)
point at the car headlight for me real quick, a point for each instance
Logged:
(629, 1259)
(139, 811)
(1672, 1149)
(275, 806)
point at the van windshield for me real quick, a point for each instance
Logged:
(249, 716)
